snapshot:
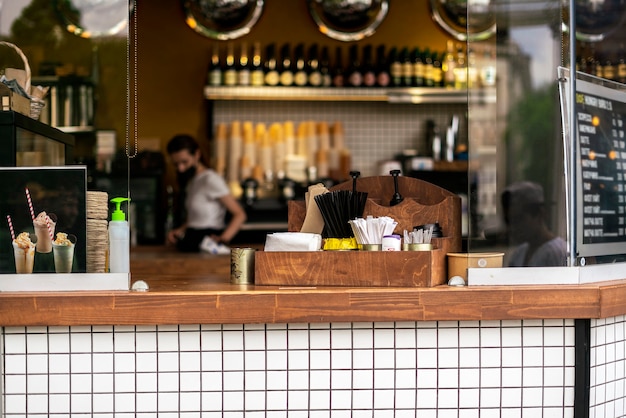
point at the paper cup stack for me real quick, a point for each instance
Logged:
(97, 241)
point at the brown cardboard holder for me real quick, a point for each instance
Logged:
(423, 203)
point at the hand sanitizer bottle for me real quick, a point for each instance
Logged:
(119, 239)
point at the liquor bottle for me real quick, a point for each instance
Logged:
(369, 75)
(621, 65)
(609, 70)
(215, 70)
(460, 71)
(448, 65)
(488, 69)
(407, 68)
(327, 79)
(395, 68)
(271, 67)
(230, 72)
(382, 68)
(472, 69)
(338, 70)
(598, 68)
(355, 77)
(256, 70)
(315, 78)
(437, 71)
(300, 76)
(591, 65)
(243, 73)
(429, 69)
(418, 68)
(285, 68)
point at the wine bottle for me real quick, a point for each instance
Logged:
(608, 69)
(286, 67)
(418, 68)
(448, 65)
(395, 68)
(599, 68)
(407, 68)
(215, 70)
(327, 79)
(256, 71)
(369, 74)
(460, 71)
(355, 77)
(472, 69)
(230, 72)
(488, 69)
(428, 69)
(338, 70)
(437, 72)
(243, 73)
(271, 67)
(315, 73)
(382, 67)
(300, 76)
(621, 65)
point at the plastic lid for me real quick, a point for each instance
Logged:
(118, 214)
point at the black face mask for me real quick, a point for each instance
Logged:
(186, 176)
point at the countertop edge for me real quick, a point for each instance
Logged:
(232, 304)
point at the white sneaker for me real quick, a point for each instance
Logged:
(208, 245)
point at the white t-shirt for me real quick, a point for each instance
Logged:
(549, 254)
(204, 210)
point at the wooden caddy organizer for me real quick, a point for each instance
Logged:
(423, 203)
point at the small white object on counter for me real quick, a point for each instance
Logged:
(293, 241)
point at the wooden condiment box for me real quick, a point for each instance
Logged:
(423, 203)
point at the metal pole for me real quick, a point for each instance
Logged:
(572, 134)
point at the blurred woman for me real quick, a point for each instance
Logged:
(207, 202)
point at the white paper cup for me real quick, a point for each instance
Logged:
(64, 255)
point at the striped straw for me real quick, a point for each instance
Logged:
(11, 227)
(50, 231)
(30, 204)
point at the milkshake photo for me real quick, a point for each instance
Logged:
(63, 250)
(43, 201)
(44, 225)
(24, 252)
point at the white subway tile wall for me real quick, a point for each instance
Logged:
(402, 369)
(607, 395)
(374, 131)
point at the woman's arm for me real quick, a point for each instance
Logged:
(176, 234)
(237, 219)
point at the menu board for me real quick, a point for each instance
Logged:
(600, 113)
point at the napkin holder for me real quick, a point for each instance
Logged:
(423, 203)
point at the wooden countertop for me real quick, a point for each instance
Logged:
(195, 289)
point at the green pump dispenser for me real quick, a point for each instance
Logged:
(119, 239)
(118, 214)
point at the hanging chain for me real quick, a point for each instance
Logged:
(132, 53)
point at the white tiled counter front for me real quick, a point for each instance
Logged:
(403, 369)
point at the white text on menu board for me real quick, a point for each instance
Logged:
(603, 157)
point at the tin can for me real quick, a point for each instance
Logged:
(242, 265)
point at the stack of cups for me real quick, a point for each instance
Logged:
(97, 241)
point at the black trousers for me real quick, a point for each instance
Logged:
(190, 243)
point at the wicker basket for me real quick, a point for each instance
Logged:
(36, 104)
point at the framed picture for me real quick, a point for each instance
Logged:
(26, 193)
